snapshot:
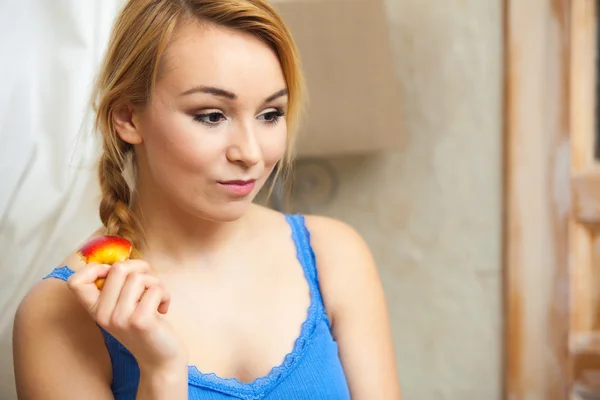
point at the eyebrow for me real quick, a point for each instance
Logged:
(281, 93)
(227, 94)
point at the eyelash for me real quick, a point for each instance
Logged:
(276, 116)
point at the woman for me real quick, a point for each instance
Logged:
(222, 298)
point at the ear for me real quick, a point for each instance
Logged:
(125, 122)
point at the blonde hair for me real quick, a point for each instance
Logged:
(130, 68)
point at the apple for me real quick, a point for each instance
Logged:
(105, 250)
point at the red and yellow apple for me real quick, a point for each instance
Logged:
(105, 250)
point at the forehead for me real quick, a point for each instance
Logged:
(207, 54)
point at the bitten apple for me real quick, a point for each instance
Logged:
(105, 250)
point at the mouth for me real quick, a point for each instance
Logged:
(238, 187)
(237, 182)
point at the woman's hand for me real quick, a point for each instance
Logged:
(131, 307)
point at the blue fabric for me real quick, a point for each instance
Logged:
(312, 370)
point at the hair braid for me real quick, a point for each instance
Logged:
(115, 213)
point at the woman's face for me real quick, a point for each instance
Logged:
(215, 126)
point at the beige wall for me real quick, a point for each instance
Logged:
(431, 212)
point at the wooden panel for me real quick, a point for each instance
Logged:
(585, 186)
(585, 337)
(536, 191)
(582, 139)
(552, 295)
(583, 77)
(584, 239)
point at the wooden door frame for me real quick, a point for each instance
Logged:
(551, 191)
(537, 167)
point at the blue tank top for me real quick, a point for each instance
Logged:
(312, 370)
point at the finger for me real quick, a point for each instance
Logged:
(113, 285)
(155, 299)
(136, 265)
(110, 292)
(133, 289)
(82, 283)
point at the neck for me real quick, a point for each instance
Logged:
(176, 237)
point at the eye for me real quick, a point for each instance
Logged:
(210, 119)
(273, 116)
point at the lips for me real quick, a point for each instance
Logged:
(238, 187)
(238, 182)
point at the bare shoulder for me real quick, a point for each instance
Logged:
(50, 301)
(51, 298)
(355, 302)
(338, 246)
(55, 339)
(344, 260)
(334, 238)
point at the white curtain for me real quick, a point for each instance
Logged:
(49, 53)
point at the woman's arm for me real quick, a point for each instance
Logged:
(356, 305)
(59, 353)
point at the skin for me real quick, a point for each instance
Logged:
(205, 246)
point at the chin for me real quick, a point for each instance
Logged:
(225, 212)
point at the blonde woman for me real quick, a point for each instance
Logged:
(222, 298)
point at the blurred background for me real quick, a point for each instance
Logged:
(447, 144)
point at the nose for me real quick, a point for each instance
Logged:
(245, 148)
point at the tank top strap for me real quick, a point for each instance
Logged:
(304, 250)
(306, 257)
(62, 273)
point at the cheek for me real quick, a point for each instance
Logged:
(274, 146)
(176, 144)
